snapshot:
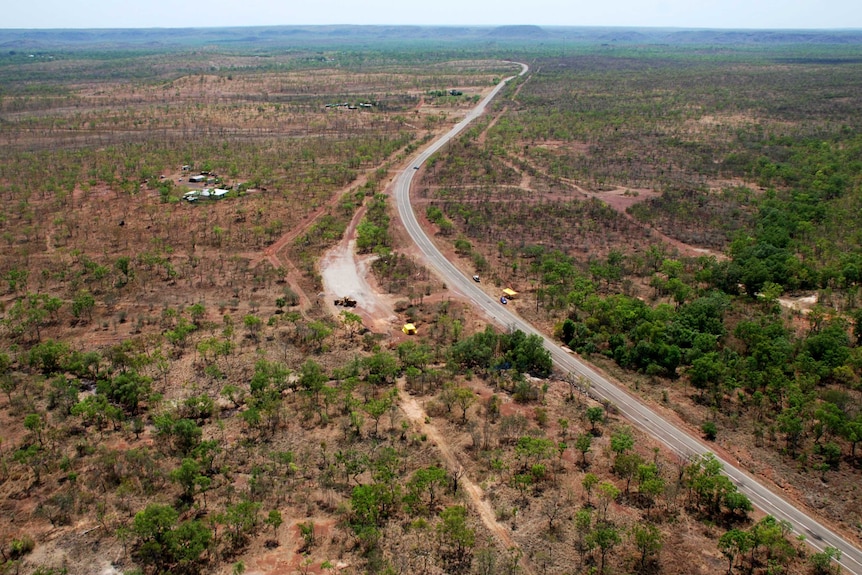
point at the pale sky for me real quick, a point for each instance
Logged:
(771, 14)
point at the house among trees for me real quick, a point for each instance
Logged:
(409, 329)
(200, 178)
(510, 293)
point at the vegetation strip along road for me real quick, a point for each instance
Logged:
(677, 439)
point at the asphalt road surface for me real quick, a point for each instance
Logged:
(677, 439)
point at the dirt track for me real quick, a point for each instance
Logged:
(417, 415)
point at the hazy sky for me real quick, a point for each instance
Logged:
(648, 13)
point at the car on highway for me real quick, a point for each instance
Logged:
(476, 279)
(415, 167)
(503, 300)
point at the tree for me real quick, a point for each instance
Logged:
(312, 379)
(733, 544)
(709, 430)
(595, 415)
(34, 457)
(527, 353)
(650, 483)
(241, 519)
(608, 492)
(583, 521)
(198, 312)
(17, 278)
(464, 397)
(274, 520)
(52, 305)
(155, 522)
(351, 321)
(185, 434)
(123, 264)
(381, 368)
(711, 488)
(735, 502)
(771, 534)
(425, 482)
(253, 325)
(165, 544)
(83, 304)
(49, 357)
(822, 562)
(377, 408)
(369, 236)
(626, 466)
(187, 476)
(486, 561)
(234, 394)
(853, 434)
(622, 441)
(315, 333)
(369, 505)
(456, 539)
(7, 382)
(94, 410)
(605, 536)
(27, 315)
(532, 451)
(188, 541)
(413, 354)
(306, 530)
(126, 389)
(589, 481)
(33, 422)
(648, 541)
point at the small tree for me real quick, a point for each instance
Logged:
(7, 383)
(709, 429)
(647, 539)
(153, 527)
(456, 539)
(732, 544)
(253, 325)
(306, 530)
(33, 422)
(187, 476)
(376, 409)
(197, 312)
(608, 492)
(241, 519)
(822, 562)
(425, 482)
(274, 520)
(605, 536)
(83, 304)
(622, 441)
(351, 321)
(595, 415)
(583, 521)
(589, 481)
(464, 397)
(583, 444)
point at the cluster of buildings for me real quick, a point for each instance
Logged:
(195, 195)
(351, 106)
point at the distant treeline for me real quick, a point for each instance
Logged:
(281, 36)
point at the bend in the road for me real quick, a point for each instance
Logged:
(638, 413)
